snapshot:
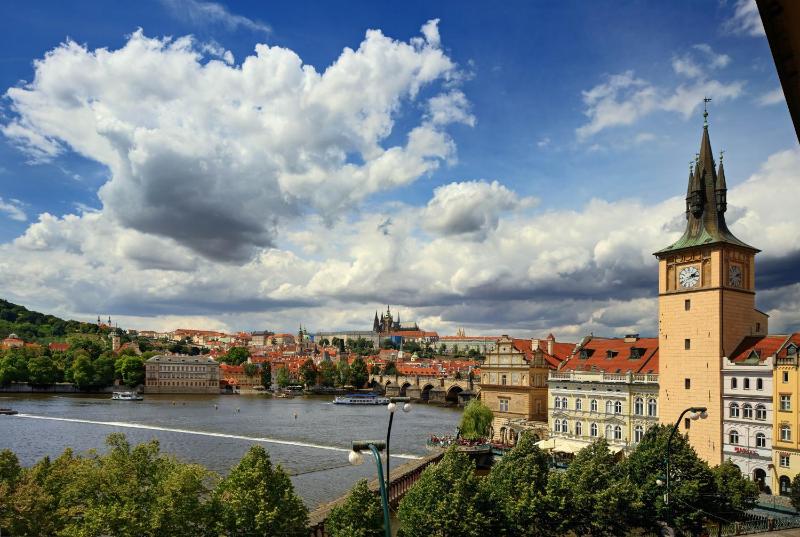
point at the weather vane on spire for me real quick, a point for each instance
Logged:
(706, 100)
(721, 155)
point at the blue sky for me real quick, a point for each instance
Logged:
(575, 109)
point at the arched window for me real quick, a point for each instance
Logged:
(638, 433)
(733, 383)
(618, 407)
(564, 426)
(746, 384)
(652, 407)
(593, 429)
(617, 433)
(761, 412)
(747, 411)
(761, 440)
(578, 428)
(734, 410)
(609, 432)
(786, 432)
(564, 403)
(733, 437)
(759, 384)
(785, 486)
(609, 407)
(557, 426)
(638, 406)
(593, 405)
(578, 404)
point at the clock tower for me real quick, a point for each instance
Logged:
(706, 305)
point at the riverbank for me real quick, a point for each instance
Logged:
(59, 387)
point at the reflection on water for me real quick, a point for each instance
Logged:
(234, 422)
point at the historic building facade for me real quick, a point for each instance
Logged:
(706, 306)
(785, 423)
(747, 387)
(179, 373)
(514, 384)
(607, 388)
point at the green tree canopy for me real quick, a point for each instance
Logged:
(236, 356)
(308, 372)
(361, 514)
(282, 377)
(251, 370)
(258, 499)
(327, 373)
(476, 420)
(266, 375)
(343, 372)
(130, 369)
(358, 372)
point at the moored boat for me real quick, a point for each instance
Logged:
(8, 411)
(360, 399)
(126, 396)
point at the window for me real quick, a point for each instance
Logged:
(687, 423)
(687, 344)
(557, 426)
(759, 384)
(758, 327)
(618, 407)
(638, 433)
(652, 407)
(578, 404)
(734, 410)
(564, 426)
(786, 433)
(784, 460)
(786, 401)
(593, 429)
(785, 484)
(503, 405)
(746, 384)
(564, 403)
(638, 406)
(747, 411)
(578, 428)
(734, 383)
(609, 407)
(593, 405)
(733, 437)
(785, 377)
(503, 380)
(687, 304)
(609, 432)
(761, 440)
(617, 433)
(761, 412)
(687, 383)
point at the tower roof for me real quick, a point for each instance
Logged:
(705, 214)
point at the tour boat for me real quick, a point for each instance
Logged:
(126, 396)
(8, 411)
(360, 399)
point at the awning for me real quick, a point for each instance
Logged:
(561, 445)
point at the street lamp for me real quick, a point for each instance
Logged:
(698, 412)
(391, 407)
(355, 458)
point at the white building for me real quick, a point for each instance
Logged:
(747, 402)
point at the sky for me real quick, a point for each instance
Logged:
(506, 169)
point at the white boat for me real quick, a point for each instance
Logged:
(126, 396)
(360, 399)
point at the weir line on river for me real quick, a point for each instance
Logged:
(130, 425)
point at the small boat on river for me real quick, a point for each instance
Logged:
(8, 411)
(126, 396)
(360, 399)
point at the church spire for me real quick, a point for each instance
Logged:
(721, 189)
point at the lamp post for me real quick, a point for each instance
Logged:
(391, 407)
(698, 412)
(355, 458)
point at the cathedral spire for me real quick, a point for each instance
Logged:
(721, 189)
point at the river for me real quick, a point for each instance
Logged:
(308, 436)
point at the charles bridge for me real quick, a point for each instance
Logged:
(429, 389)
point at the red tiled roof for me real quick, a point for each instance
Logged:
(613, 355)
(56, 346)
(459, 338)
(763, 346)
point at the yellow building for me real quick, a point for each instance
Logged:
(706, 306)
(607, 388)
(514, 384)
(785, 424)
(180, 373)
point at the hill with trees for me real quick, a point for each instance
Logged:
(38, 327)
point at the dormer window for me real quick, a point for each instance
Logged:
(610, 354)
(636, 353)
(791, 350)
(584, 354)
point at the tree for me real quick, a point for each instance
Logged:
(282, 377)
(735, 493)
(327, 373)
(795, 494)
(358, 372)
(10, 469)
(236, 356)
(266, 375)
(251, 370)
(388, 344)
(375, 369)
(103, 370)
(13, 368)
(130, 369)
(258, 499)
(446, 500)
(390, 368)
(343, 372)
(308, 372)
(476, 420)
(91, 345)
(361, 514)
(82, 372)
(517, 489)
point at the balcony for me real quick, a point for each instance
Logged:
(602, 376)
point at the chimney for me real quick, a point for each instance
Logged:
(550, 342)
(631, 338)
(535, 344)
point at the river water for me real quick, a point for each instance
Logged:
(308, 436)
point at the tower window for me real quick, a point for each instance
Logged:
(687, 383)
(758, 327)
(687, 344)
(687, 423)
(785, 376)
(687, 304)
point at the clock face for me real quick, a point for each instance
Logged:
(689, 277)
(735, 276)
